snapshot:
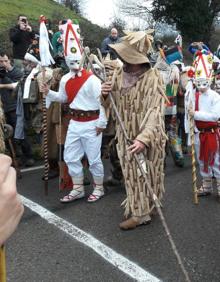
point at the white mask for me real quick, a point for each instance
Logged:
(73, 65)
(202, 83)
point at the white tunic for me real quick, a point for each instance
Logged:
(209, 110)
(209, 106)
(87, 98)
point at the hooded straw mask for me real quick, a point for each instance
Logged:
(134, 47)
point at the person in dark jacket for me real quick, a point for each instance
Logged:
(8, 76)
(111, 39)
(21, 36)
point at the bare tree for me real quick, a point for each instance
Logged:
(75, 5)
(135, 8)
(194, 19)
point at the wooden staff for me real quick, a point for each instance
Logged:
(2, 264)
(46, 60)
(45, 141)
(193, 159)
(153, 196)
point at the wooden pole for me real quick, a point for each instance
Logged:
(193, 159)
(2, 264)
(45, 143)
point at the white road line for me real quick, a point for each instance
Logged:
(128, 267)
(32, 168)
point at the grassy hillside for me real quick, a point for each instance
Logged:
(10, 9)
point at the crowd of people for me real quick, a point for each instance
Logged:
(145, 84)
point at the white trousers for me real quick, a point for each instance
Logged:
(212, 170)
(82, 139)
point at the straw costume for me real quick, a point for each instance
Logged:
(139, 98)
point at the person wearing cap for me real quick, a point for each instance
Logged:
(206, 114)
(82, 91)
(138, 92)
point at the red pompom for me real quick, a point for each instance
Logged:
(191, 73)
(42, 19)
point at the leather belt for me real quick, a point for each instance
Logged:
(80, 113)
(212, 129)
(83, 116)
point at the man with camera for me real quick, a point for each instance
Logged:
(21, 36)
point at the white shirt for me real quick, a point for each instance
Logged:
(209, 106)
(87, 98)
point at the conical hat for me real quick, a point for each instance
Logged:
(203, 66)
(70, 34)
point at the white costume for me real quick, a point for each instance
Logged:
(81, 135)
(82, 90)
(206, 116)
(208, 111)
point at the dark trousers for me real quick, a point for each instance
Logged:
(24, 143)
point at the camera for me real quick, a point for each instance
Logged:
(2, 72)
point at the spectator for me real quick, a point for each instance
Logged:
(10, 74)
(111, 39)
(57, 41)
(11, 208)
(21, 36)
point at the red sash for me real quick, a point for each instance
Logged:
(74, 84)
(208, 138)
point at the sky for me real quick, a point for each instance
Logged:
(100, 12)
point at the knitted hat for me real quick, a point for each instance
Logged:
(134, 47)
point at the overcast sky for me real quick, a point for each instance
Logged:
(100, 12)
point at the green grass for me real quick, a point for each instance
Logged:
(10, 9)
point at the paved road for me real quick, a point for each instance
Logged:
(41, 251)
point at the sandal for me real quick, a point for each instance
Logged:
(72, 196)
(202, 191)
(95, 196)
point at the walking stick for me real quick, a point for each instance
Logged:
(193, 159)
(45, 143)
(2, 264)
(46, 60)
(153, 196)
(189, 128)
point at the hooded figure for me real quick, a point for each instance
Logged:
(138, 92)
(206, 113)
(81, 90)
